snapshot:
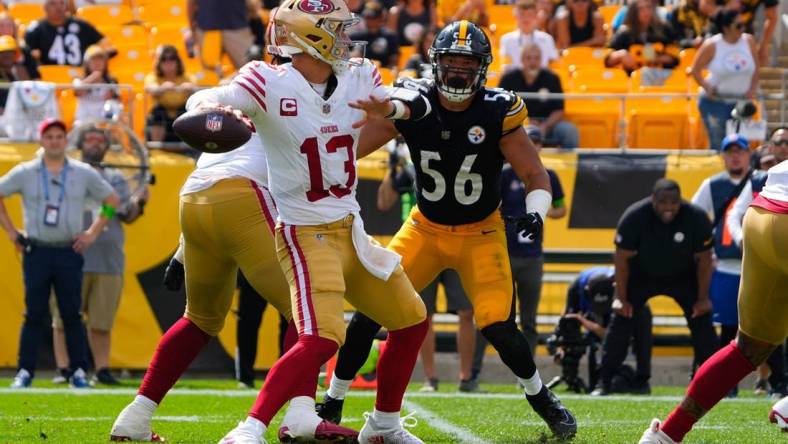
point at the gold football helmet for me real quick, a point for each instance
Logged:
(316, 28)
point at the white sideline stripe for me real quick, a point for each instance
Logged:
(435, 421)
(360, 394)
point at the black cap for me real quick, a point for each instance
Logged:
(372, 10)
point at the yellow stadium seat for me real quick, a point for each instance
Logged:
(133, 57)
(386, 76)
(67, 102)
(405, 52)
(133, 77)
(676, 83)
(106, 15)
(24, 13)
(59, 73)
(686, 57)
(171, 14)
(502, 16)
(126, 35)
(578, 57)
(608, 13)
(597, 119)
(658, 122)
(206, 78)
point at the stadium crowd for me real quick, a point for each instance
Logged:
(167, 51)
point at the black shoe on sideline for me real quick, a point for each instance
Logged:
(560, 420)
(330, 409)
(103, 376)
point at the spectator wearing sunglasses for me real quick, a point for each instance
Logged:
(170, 86)
(730, 57)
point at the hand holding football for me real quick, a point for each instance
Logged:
(212, 129)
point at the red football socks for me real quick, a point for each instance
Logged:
(713, 380)
(176, 350)
(396, 365)
(294, 374)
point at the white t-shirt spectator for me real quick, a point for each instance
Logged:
(512, 43)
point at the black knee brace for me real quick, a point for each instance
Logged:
(512, 347)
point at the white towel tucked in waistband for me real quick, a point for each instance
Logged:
(379, 261)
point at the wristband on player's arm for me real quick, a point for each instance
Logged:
(401, 98)
(107, 211)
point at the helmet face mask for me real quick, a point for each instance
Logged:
(456, 78)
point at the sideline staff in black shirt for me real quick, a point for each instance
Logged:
(663, 247)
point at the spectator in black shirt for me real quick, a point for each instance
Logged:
(642, 26)
(58, 39)
(663, 247)
(382, 44)
(580, 25)
(547, 114)
(689, 24)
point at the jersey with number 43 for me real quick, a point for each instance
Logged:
(310, 141)
(456, 154)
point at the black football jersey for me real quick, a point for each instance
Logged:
(456, 154)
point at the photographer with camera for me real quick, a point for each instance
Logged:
(589, 306)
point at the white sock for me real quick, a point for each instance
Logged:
(338, 388)
(386, 420)
(145, 403)
(256, 425)
(532, 385)
(301, 418)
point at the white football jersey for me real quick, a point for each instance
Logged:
(310, 142)
(776, 187)
(247, 161)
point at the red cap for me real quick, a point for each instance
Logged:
(49, 123)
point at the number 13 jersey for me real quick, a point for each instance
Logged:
(456, 154)
(310, 141)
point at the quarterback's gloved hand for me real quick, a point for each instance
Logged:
(173, 275)
(529, 224)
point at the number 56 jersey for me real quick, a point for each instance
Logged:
(311, 145)
(456, 154)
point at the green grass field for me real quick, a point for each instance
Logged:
(200, 411)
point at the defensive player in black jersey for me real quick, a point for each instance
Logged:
(458, 150)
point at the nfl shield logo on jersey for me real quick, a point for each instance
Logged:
(476, 134)
(213, 122)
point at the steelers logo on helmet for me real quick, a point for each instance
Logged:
(460, 56)
(476, 135)
(319, 7)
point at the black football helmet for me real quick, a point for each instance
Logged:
(460, 38)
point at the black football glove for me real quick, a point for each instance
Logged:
(529, 224)
(173, 275)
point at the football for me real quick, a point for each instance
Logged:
(779, 414)
(211, 130)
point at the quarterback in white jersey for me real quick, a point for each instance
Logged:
(308, 115)
(763, 310)
(227, 219)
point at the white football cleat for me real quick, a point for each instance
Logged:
(779, 414)
(372, 434)
(133, 424)
(243, 434)
(653, 435)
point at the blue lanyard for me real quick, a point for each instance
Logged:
(45, 180)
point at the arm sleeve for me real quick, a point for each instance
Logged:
(98, 188)
(558, 190)
(703, 239)
(12, 182)
(733, 222)
(702, 198)
(516, 115)
(627, 231)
